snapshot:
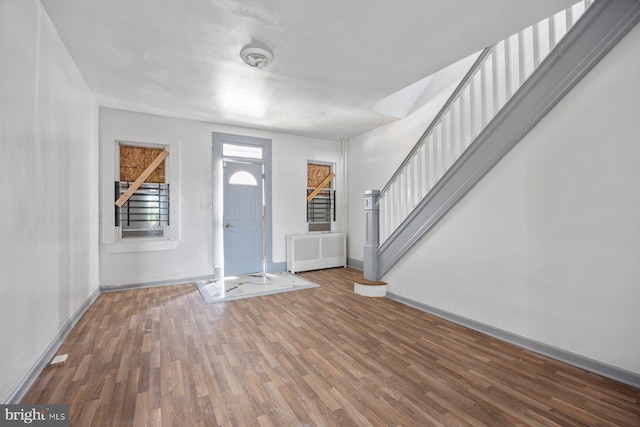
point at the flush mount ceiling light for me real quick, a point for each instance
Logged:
(256, 56)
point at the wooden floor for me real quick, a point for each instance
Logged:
(315, 357)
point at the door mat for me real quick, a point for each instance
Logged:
(250, 285)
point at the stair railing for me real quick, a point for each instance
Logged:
(494, 77)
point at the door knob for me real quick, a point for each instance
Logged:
(227, 225)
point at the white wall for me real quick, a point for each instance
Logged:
(49, 211)
(192, 254)
(374, 156)
(547, 245)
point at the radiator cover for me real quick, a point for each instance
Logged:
(316, 251)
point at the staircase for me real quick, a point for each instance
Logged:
(507, 91)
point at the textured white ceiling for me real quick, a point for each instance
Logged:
(337, 62)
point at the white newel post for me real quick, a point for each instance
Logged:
(371, 236)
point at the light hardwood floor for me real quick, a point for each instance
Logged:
(315, 357)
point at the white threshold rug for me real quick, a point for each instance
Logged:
(250, 285)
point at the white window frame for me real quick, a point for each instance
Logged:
(332, 222)
(111, 235)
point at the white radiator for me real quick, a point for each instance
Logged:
(315, 251)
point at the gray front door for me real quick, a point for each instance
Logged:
(243, 222)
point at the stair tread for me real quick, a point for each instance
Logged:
(359, 278)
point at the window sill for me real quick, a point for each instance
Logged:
(141, 246)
